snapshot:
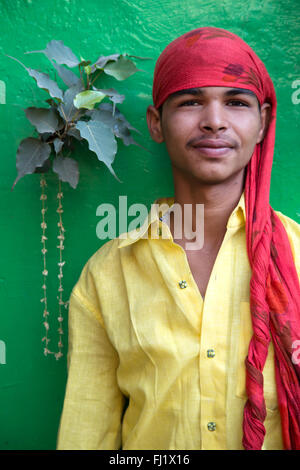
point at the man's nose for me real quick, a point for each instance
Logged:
(213, 117)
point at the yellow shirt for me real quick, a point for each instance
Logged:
(135, 333)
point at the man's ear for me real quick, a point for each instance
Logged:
(154, 124)
(265, 114)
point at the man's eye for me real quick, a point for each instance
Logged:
(237, 103)
(189, 103)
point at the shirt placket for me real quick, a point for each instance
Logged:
(214, 351)
(213, 341)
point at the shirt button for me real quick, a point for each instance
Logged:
(211, 426)
(182, 284)
(210, 353)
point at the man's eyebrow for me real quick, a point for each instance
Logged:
(199, 92)
(188, 91)
(240, 91)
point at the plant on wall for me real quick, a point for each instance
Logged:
(74, 113)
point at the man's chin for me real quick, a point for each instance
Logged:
(209, 179)
(207, 176)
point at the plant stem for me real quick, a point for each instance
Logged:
(80, 71)
(75, 115)
(101, 71)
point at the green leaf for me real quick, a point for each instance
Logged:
(88, 98)
(67, 76)
(66, 109)
(67, 170)
(31, 153)
(56, 50)
(101, 140)
(45, 167)
(118, 115)
(58, 144)
(104, 116)
(43, 81)
(73, 132)
(113, 95)
(121, 69)
(103, 60)
(88, 69)
(45, 136)
(45, 120)
(138, 57)
(117, 122)
(123, 133)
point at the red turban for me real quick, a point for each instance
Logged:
(215, 57)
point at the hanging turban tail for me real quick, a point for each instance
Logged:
(215, 57)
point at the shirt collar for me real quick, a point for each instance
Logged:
(160, 206)
(238, 216)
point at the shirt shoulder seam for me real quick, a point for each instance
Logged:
(88, 306)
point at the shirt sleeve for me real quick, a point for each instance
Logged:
(93, 404)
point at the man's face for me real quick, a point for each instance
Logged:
(192, 124)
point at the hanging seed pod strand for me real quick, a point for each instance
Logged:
(43, 198)
(60, 264)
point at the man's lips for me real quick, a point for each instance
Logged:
(212, 143)
(212, 147)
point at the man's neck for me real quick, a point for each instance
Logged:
(219, 201)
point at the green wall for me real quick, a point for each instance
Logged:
(32, 385)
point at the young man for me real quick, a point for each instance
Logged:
(198, 343)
